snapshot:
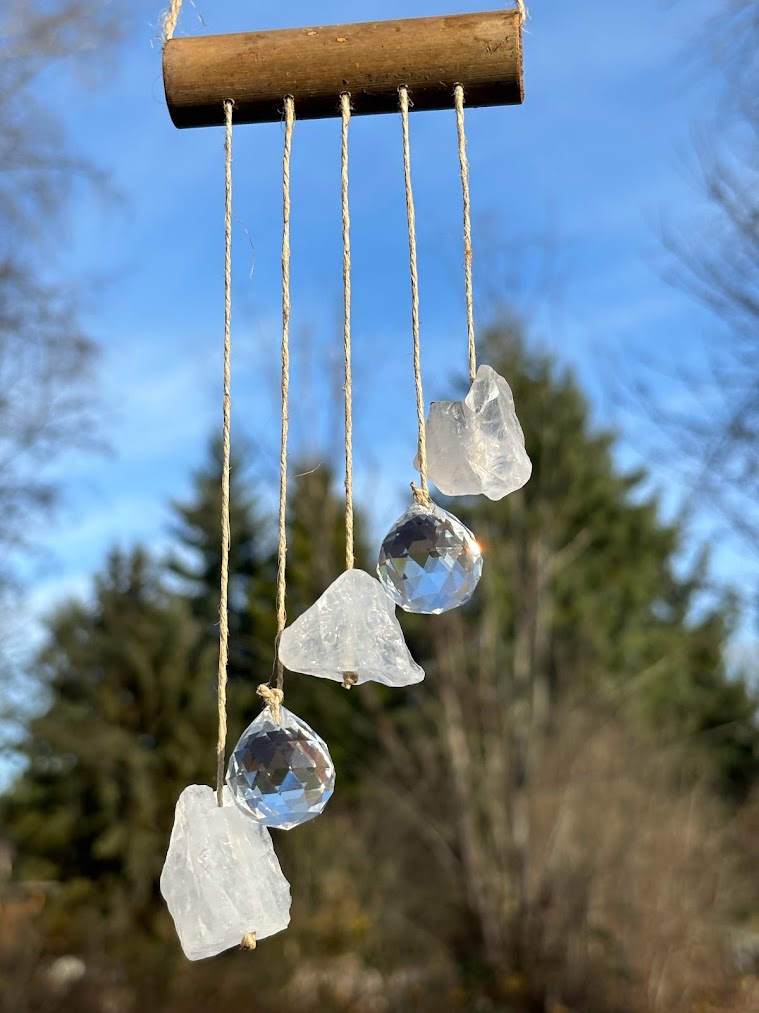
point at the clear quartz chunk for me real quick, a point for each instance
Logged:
(221, 879)
(429, 561)
(280, 774)
(350, 633)
(476, 446)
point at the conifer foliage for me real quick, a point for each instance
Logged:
(456, 848)
(129, 699)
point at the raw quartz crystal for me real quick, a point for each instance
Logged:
(281, 774)
(350, 635)
(429, 561)
(476, 446)
(221, 879)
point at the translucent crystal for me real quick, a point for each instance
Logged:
(429, 561)
(281, 774)
(221, 879)
(351, 631)
(476, 445)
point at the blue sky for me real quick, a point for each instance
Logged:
(569, 193)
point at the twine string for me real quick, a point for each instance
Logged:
(169, 19)
(421, 493)
(349, 678)
(345, 106)
(458, 94)
(226, 456)
(289, 109)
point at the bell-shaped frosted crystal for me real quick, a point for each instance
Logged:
(281, 774)
(476, 446)
(429, 561)
(221, 879)
(350, 633)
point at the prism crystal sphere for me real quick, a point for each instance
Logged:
(429, 561)
(280, 774)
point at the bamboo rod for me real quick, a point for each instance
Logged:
(482, 52)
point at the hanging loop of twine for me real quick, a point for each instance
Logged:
(289, 113)
(421, 497)
(524, 14)
(273, 699)
(458, 95)
(221, 744)
(345, 107)
(421, 494)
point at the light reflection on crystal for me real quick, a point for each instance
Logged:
(281, 774)
(429, 561)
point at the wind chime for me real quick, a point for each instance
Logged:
(221, 879)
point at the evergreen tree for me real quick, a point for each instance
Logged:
(129, 723)
(316, 557)
(587, 587)
(196, 562)
(580, 609)
(316, 536)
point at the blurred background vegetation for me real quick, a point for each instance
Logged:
(563, 817)
(560, 817)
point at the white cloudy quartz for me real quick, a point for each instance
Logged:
(221, 879)
(351, 631)
(476, 446)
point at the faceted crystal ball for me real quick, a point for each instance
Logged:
(429, 561)
(281, 774)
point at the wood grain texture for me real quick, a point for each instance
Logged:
(482, 52)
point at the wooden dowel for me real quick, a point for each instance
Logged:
(482, 52)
